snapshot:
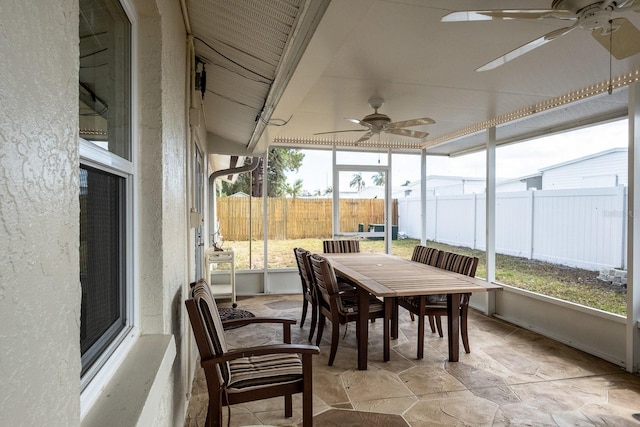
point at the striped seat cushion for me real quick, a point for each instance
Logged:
(248, 373)
(350, 304)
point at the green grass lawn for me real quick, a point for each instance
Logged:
(569, 284)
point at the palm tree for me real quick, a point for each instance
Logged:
(378, 179)
(357, 181)
(296, 189)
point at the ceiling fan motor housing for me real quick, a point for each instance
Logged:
(574, 6)
(377, 120)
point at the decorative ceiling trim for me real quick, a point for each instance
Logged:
(552, 103)
(370, 143)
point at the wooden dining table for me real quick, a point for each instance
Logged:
(390, 277)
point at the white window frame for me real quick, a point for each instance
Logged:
(103, 369)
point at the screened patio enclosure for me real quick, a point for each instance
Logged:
(478, 114)
(116, 113)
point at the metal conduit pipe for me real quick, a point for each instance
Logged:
(213, 229)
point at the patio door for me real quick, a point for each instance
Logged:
(362, 204)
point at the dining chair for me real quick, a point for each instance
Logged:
(247, 374)
(425, 255)
(308, 289)
(436, 305)
(429, 256)
(340, 246)
(462, 264)
(339, 306)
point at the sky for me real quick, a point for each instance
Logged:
(512, 161)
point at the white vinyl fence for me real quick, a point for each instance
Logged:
(584, 228)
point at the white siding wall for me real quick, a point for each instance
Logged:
(600, 171)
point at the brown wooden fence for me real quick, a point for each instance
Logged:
(295, 218)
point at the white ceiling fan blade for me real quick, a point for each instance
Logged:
(361, 123)
(365, 137)
(528, 47)
(408, 133)
(630, 5)
(410, 123)
(489, 15)
(623, 42)
(338, 131)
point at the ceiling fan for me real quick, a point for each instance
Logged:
(376, 123)
(616, 34)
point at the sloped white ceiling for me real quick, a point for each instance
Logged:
(398, 50)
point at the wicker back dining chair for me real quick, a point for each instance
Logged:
(435, 306)
(339, 306)
(340, 246)
(252, 373)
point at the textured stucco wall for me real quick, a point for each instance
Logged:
(39, 277)
(39, 232)
(150, 167)
(174, 207)
(163, 211)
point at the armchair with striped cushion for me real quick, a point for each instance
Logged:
(251, 373)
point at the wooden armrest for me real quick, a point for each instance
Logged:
(262, 350)
(285, 322)
(248, 320)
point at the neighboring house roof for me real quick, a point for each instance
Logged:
(518, 179)
(440, 177)
(582, 159)
(239, 194)
(370, 192)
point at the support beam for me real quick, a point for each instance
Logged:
(335, 193)
(265, 230)
(388, 227)
(423, 196)
(491, 217)
(633, 236)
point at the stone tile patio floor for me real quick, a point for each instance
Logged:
(512, 377)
